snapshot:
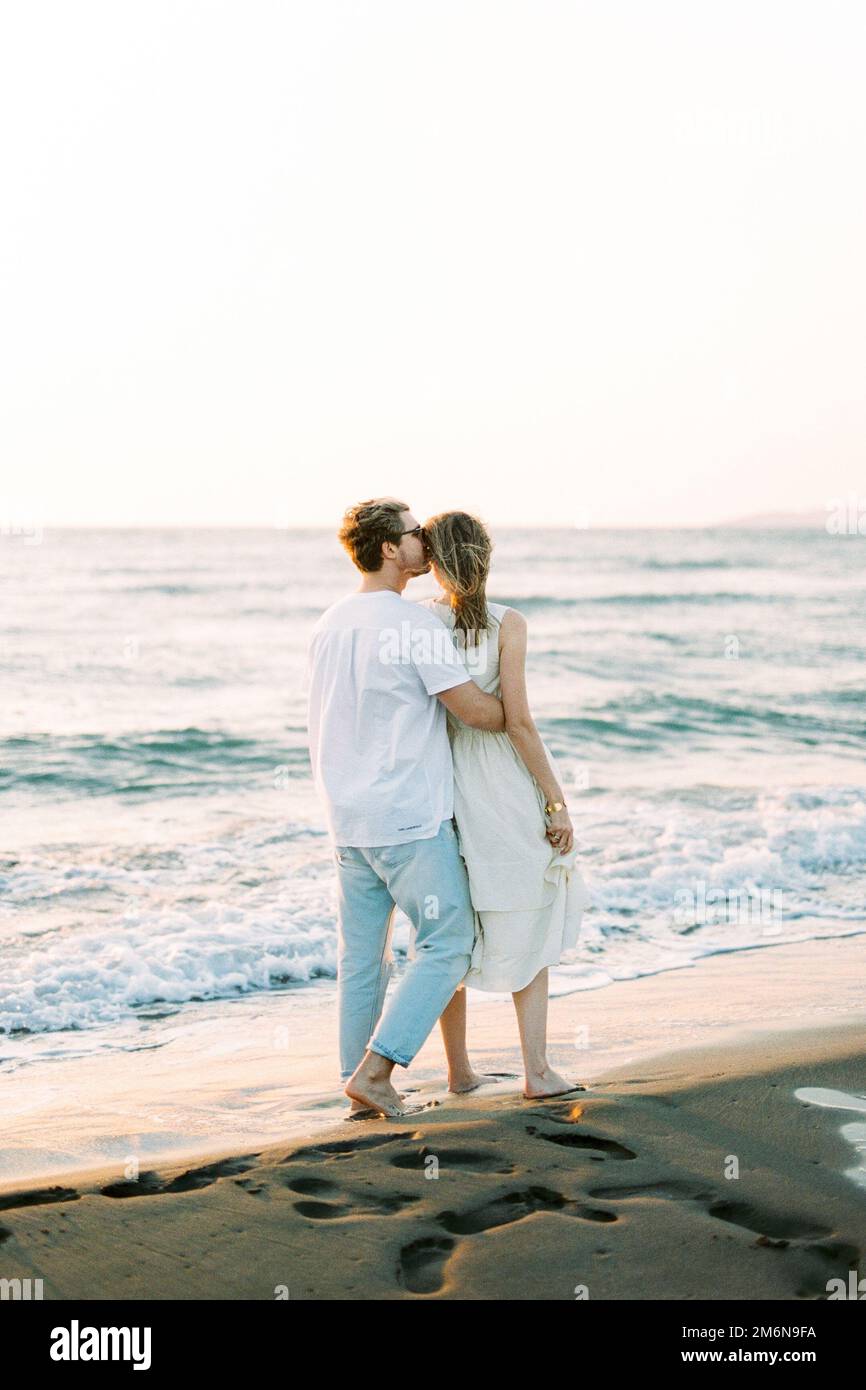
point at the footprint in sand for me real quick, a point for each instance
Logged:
(771, 1230)
(608, 1147)
(422, 1263)
(472, 1160)
(150, 1184)
(767, 1224)
(673, 1189)
(343, 1148)
(383, 1205)
(350, 1203)
(311, 1186)
(514, 1206)
(823, 1259)
(572, 1114)
(38, 1197)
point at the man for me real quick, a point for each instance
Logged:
(382, 674)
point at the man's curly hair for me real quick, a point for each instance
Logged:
(366, 526)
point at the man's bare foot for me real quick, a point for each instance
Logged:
(377, 1095)
(547, 1082)
(370, 1086)
(359, 1111)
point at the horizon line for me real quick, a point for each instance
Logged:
(806, 522)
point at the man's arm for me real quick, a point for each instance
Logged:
(475, 708)
(438, 662)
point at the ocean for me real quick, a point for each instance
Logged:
(162, 845)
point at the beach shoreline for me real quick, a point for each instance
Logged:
(487, 1196)
(266, 1072)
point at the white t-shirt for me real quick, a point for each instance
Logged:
(378, 736)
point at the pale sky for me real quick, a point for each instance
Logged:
(578, 263)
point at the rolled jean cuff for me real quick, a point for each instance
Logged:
(392, 1056)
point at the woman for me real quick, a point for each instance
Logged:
(515, 832)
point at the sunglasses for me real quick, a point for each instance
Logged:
(414, 531)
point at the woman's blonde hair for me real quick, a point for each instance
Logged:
(460, 546)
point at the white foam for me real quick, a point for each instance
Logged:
(92, 931)
(854, 1132)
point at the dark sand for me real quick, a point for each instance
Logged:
(621, 1189)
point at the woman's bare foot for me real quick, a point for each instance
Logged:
(470, 1080)
(547, 1082)
(463, 1081)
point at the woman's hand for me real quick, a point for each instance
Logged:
(560, 831)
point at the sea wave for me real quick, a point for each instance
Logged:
(161, 762)
(129, 876)
(136, 926)
(632, 599)
(647, 718)
(718, 563)
(94, 976)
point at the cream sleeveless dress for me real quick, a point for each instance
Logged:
(528, 898)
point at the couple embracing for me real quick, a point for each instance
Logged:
(441, 799)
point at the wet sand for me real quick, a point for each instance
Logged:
(687, 1173)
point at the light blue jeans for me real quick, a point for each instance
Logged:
(427, 880)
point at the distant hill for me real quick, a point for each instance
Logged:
(780, 521)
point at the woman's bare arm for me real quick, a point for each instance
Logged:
(520, 726)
